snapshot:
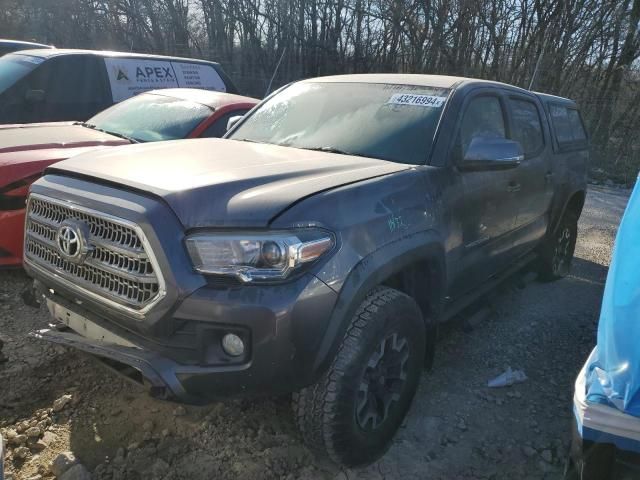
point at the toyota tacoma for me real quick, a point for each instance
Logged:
(314, 250)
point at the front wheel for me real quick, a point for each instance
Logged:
(352, 413)
(557, 251)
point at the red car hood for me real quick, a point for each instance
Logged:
(26, 150)
(31, 125)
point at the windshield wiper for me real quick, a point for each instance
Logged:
(115, 134)
(245, 140)
(315, 149)
(335, 150)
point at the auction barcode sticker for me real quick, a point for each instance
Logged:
(417, 100)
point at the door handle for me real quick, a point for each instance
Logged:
(513, 187)
(548, 176)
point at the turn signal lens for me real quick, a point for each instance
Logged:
(308, 252)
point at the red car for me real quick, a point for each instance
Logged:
(26, 150)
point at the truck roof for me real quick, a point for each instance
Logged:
(48, 53)
(548, 98)
(441, 81)
(438, 81)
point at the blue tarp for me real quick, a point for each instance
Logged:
(613, 372)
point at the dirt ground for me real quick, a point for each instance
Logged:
(457, 428)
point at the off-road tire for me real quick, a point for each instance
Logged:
(557, 250)
(329, 413)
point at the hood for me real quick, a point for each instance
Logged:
(26, 150)
(32, 125)
(19, 138)
(216, 182)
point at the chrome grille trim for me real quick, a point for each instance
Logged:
(52, 227)
(102, 226)
(120, 271)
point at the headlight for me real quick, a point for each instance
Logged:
(257, 256)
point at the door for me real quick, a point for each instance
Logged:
(487, 208)
(534, 175)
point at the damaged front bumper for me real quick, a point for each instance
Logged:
(145, 368)
(180, 357)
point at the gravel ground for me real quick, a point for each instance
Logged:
(54, 400)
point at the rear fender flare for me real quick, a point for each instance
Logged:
(565, 204)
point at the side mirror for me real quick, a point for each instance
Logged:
(34, 96)
(233, 121)
(487, 153)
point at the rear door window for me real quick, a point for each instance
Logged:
(567, 125)
(527, 127)
(575, 122)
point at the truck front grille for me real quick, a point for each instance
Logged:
(118, 267)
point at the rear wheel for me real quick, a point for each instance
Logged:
(352, 413)
(557, 251)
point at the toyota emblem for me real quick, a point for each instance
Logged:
(72, 241)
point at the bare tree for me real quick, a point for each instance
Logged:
(585, 49)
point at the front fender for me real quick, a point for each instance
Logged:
(373, 270)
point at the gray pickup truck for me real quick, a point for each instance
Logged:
(314, 250)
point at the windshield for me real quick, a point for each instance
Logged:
(13, 67)
(151, 118)
(390, 122)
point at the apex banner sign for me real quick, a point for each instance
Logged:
(128, 77)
